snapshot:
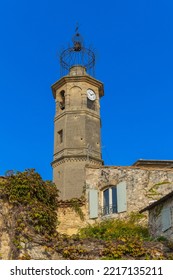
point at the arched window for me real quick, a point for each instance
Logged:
(62, 102)
(114, 199)
(90, 104)
(110, 200)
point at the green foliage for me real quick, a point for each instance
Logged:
(136, 217)
(153, 191)
(114, 229)
(43, 218)
(124, 247)
(161, 238)
(25, 257)
(170, 244)
(76, 206)
(125, 239)
(72, 252)
(28, 186)
(36, 199)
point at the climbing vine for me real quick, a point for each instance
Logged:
(153, 191)
(33, 204)
(75, 204)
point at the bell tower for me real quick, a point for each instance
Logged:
(77, 119)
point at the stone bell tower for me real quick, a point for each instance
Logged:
(77, 120)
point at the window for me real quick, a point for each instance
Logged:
(90, 104)
(60, 137)
(62, 102)
(110, 201)
(114, 199)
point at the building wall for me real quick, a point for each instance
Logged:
(70, 221)
(68, 173)
(143, 185)
(161, 219)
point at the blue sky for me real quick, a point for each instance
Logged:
(133, 42)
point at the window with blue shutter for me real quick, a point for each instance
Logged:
(93, 204)
(166, 218)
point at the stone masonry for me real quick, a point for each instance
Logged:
(143, 185)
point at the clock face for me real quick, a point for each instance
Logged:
(91, 94)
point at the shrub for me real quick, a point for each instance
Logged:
(114, 229)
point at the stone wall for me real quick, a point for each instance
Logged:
(69, 220)
(144, 185)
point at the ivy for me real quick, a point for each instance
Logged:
(28, 187)
(131, 247)
(33, 204)
(153, 191)
(76, 206)
(72, 252)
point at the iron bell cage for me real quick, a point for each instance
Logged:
(77, 55)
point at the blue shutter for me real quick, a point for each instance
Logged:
(121, 197)
(106, 198)
(166, 218)
(93, 204)
(114, 199)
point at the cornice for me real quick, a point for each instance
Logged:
(77, 158)
(84, 78)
